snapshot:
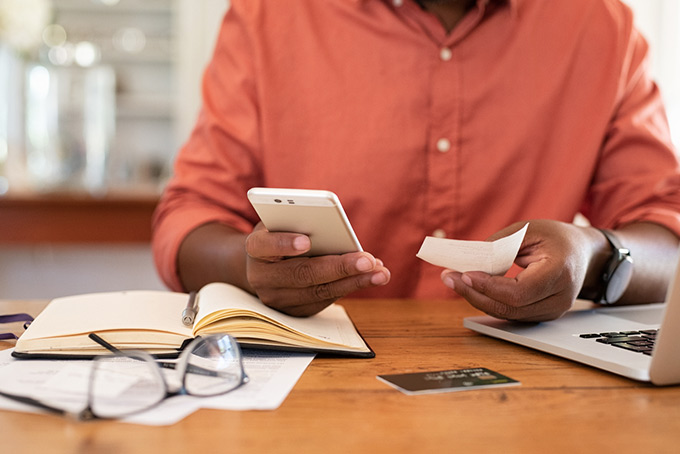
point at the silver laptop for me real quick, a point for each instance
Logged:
(616, 339)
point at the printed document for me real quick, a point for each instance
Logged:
(63, 384)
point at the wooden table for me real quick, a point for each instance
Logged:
(339, 406)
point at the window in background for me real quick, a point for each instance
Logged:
(158, 49)
(136, 39)
(197, 24)
(659, 22)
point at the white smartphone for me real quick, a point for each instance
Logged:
(317, 214)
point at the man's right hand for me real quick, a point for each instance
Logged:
(303, 286)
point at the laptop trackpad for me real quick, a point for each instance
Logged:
(639, 314)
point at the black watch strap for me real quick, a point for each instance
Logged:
(617, 271)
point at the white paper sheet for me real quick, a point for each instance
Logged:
(272, 376)
(493, 257)
(60, 383)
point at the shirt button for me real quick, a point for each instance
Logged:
(443, 145)
(445, 54)
(439, 233)
(397, 2)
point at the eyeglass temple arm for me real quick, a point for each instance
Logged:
(33, 402)
(113, 349)
(163, 364)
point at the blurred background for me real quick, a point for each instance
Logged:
(99, 93)
(96, 96)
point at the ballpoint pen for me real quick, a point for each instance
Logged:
(189, 313)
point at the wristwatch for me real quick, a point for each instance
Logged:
(617, 271)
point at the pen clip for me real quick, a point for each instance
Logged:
(189, 313)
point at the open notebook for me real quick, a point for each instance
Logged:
(152, 321)
(616, 339)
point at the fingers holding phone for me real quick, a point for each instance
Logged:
(275, 246)
(303, 286)
(308, 255)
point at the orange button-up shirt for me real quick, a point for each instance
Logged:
(527, 109)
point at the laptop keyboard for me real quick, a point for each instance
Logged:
(637, 341)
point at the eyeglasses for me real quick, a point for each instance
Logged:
(126, 383)
(14, 318)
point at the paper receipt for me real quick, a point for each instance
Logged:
(493, 257)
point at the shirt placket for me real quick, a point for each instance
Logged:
(443, 142)
(444, 147)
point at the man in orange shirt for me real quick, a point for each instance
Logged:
(449, 118)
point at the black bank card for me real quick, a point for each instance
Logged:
(447, 380)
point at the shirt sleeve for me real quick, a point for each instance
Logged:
(219, 163)
(638, 176)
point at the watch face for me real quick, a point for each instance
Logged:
(619, 280)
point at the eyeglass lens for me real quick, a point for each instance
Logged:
(123, 385)
(212, 366)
